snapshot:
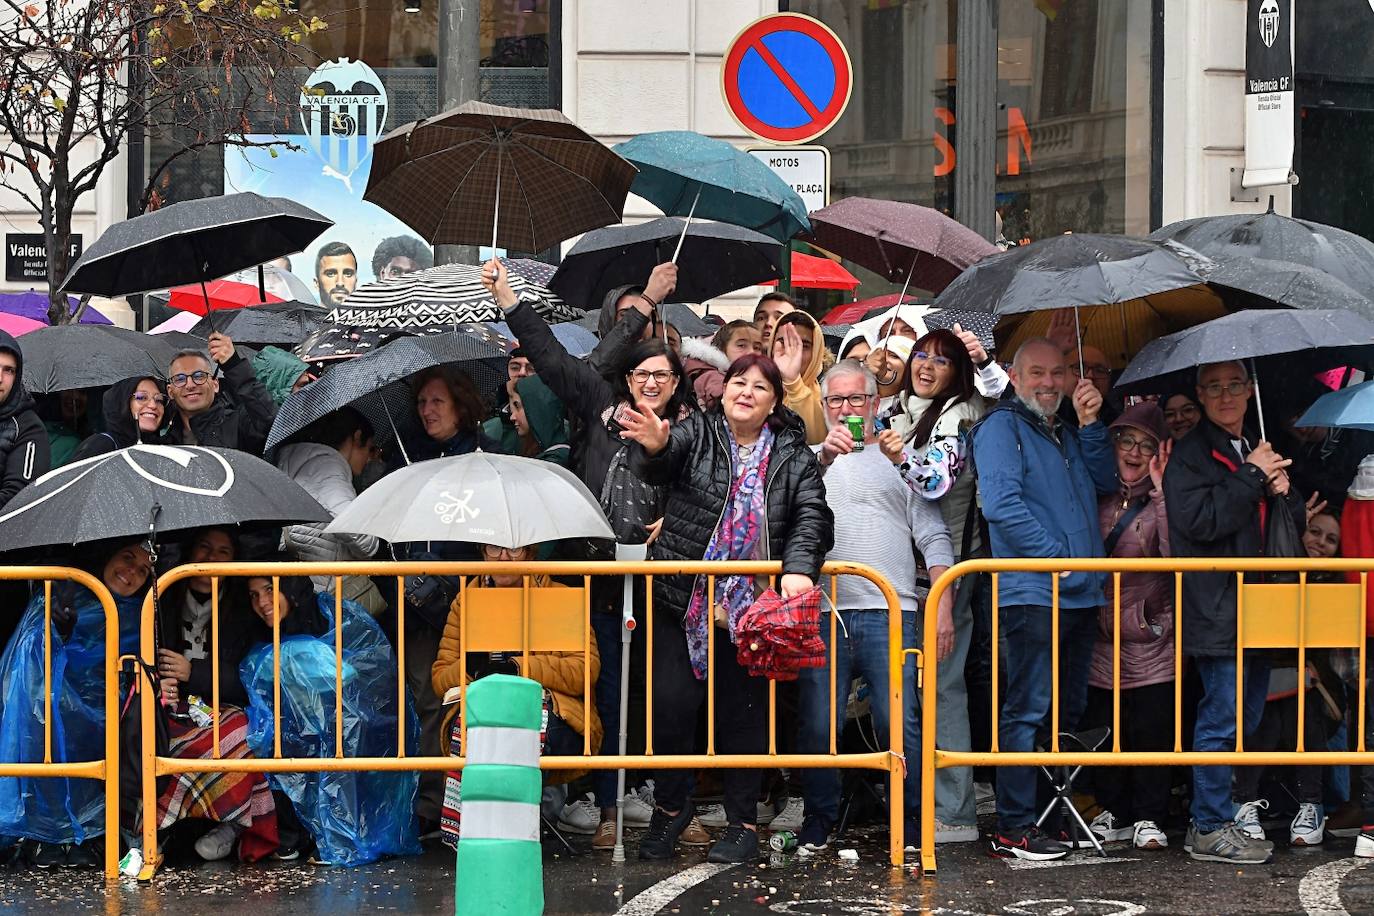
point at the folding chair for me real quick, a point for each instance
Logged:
(1061, 778)
(557, 623)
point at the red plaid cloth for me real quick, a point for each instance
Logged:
(777, 638)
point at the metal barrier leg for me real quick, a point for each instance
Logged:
(627, 625)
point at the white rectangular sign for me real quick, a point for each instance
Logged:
(805, 168)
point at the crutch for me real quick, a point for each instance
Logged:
(633, 552)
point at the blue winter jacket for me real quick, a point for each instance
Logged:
(1039, 496)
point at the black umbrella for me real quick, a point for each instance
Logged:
(716, 258)
(280, 324)
(193, 242)
(371, 383)
(1259, 283)
(1128, 290)
(152, 489)
(89, 355)
(678, 314)
(1345, 255)
(1338, 337)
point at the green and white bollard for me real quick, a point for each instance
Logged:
(500, 865)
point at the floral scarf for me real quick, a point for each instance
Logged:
(736, 538)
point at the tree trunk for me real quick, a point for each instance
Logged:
(57, 234)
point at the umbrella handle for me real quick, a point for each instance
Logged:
(1078, 339)
(687, 225)
(395, 432)
(209, 311)
(1259, 404)
(496, 205)
(901, 297)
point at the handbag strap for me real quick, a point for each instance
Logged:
(1109, 543)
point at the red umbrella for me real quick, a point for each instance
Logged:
(778, 638)
(819, 273)
(220, 294)
(856, 311)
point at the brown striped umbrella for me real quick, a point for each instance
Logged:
(519, 178)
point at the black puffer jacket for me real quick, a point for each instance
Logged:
(1215, 510)
(24, 451)
(696, 467)
(240, 417)
(121, 429)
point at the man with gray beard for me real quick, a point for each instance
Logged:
(1039, 479)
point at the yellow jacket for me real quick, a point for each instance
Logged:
(803, 395)
(561, 673)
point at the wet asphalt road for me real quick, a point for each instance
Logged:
(1321, 880)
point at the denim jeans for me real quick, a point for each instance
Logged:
(860, 651)
(1216, 731)
(1025, 633)
(606, 628)
(954, 802)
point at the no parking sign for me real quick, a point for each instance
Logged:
(786, 78)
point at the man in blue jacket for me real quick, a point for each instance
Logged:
(1039, 478)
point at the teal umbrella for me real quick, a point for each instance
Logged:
(685, 174)
(1349, 408)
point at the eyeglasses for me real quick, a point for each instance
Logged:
(1216, 389)
(857, 401)
(197, 378)
(662, 376)
(493, 552)
(1126, 442)
(142, 397)
(941, 362)
(1179, 413)
(1093, 371)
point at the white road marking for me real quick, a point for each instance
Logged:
(1020, 864)
(650, 901)
(1319, 892)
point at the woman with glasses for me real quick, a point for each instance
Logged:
(1135, 800)
(742, 485)
(134, 412)
(929, 441)
(1181, 413)
(650, 374)
(567, 718)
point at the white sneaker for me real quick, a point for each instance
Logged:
(955, 833)
(1247, 818)
(218, 843)
(711, 815)
(1364, 846)
(582, 817)
(639, 806)
(766, 812)
(1107, 830)
(1308, 827)
(1147, 835)
(791, 816)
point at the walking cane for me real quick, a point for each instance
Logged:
(634, 552)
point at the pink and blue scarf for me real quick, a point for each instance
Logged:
(736, 538)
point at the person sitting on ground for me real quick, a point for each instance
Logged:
(134, 411)
(350, 818)
(240, 804)
(61, 821)
(563, 675)
(799, 352)
(330, 453)
(881, 522)
(1220, 490)
(1133, 522)
(1039, 479)
(241, 419)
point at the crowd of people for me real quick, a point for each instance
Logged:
(906, 450)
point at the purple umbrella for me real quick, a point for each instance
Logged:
(34, 305)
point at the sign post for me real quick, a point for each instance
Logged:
(805, 168)
(26, 256)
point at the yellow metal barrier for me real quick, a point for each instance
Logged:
(106, 769)
(1299, 615)
(543, 621)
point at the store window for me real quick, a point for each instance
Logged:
(1073, 102)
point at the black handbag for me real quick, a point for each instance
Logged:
(1283, 535)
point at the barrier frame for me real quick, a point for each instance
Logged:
(891, 761)
(933, 759)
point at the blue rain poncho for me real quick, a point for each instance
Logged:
(58, 810)
(354, 818)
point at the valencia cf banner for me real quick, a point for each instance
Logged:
(1269, 102)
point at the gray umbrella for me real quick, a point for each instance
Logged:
(1338, 337)
(283, 324)
(372, 383)
(90, 355)
(193, 242)
(1259, 283)
(152, 488)
(678, 314)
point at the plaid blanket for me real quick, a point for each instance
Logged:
(231, 798)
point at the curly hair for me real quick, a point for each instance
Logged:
(401, 246)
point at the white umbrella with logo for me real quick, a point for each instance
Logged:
(481, 498)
